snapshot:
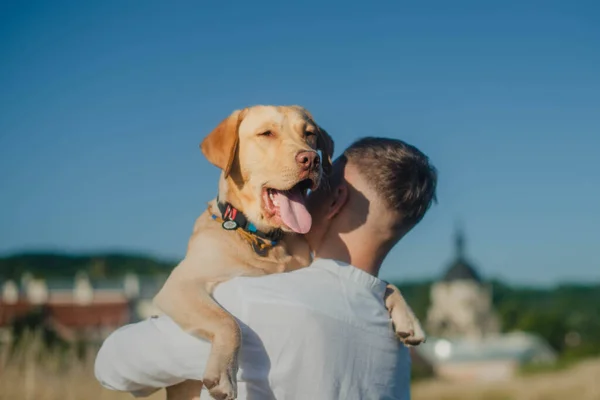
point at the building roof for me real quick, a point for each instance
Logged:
(461, 268)
(516, 346)
(98, 314)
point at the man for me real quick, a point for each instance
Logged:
(319, 333)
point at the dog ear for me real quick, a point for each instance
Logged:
(325, 144)
(220, 146)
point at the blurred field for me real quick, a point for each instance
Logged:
(580, 382)
(34, 374)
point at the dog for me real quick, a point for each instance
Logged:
(269, 157)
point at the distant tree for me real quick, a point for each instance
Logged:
(50, 265)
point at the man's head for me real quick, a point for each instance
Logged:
(378, 191)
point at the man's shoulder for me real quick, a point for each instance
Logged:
(299, 288)
(289, 284)
(322, 291)
(323, 280)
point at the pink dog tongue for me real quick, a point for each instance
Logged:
(293, 210)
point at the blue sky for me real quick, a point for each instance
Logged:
(103, 105)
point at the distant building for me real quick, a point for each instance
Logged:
(93, 321)
(79, 308)
(461, 303)
(465, 342)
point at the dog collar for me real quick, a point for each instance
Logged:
(233, 219)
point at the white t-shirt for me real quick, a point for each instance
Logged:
(319, 333)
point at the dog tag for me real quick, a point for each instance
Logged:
(230, 225)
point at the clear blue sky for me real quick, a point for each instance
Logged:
(103, 105)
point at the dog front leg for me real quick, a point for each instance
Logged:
(406, 324)
(190, 305)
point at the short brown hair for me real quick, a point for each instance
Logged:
(400, 173)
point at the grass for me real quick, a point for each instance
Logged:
(32, 373)
(579, 381)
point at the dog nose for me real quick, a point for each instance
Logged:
(308, 159)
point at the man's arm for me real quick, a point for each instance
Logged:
(149, 355)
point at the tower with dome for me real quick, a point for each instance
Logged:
(461, 302)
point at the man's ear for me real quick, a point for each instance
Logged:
(220, 146)
(337, 200)
(325, 144)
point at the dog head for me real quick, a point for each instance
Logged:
(270, 159)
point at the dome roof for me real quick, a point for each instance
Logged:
(460, 268)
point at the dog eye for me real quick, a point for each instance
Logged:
(266, 133)
(309, 133)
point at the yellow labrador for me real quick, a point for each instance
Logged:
(269, 157)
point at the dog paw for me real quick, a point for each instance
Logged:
(408, 330)
(406, 325)
(221, 386)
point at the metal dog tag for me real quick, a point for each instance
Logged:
(230, 225)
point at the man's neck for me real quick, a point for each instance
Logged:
(367, 262)
(362, 256)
